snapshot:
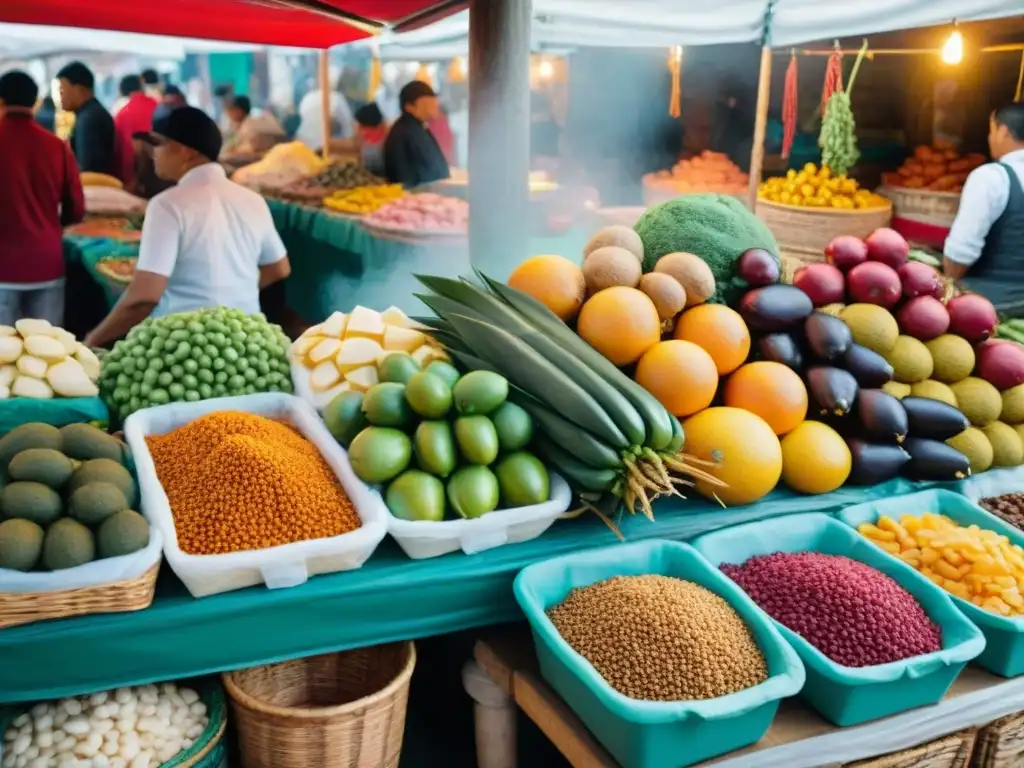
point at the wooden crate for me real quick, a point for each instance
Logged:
(803, 233)
(1000, 744)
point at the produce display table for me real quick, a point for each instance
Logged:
(798, 737)
(88, 251)
(390, 598)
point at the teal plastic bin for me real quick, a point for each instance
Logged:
(1004, 637)
(852, 695)
(654, 734)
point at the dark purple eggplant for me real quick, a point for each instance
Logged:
(775, 308)
(933, 419)
(874, 463)
(781, 348)
(934, 460)
(758, 267)
(827, 337)
(868, 367)
(831, 390)
(881, 416)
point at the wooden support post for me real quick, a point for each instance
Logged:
(325, 102)
(764, 87)
(499, 134)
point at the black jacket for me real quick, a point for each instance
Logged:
(411, 154)
(93, 139)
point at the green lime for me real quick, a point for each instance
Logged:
(514, 426)
(385, 406)
(477, 439)
(473, 491)
(398, 367)
(415, 495)
(344, 417)
(428, 395)
(523, 480)
(435, 447)
(480, 392)
(444, 370)
(379, 454)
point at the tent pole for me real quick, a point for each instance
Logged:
(499, 134)
(764, 84)
(325, 103)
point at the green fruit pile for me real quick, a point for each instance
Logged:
(194, 356)
(838, 137)
(439, 441)
(67, 498)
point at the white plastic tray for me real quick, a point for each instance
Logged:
(287, 565)
(421, 539)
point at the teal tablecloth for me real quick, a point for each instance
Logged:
(89, 250)
(389, 598)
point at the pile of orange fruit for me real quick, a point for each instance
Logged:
(813, 187)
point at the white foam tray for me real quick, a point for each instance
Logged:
(278, 567)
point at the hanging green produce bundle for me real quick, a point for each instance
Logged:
(838, 137)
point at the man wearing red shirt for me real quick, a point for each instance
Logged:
(40, 193)
(136, 116)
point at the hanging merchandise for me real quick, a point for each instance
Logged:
(675, 66)
(423, 75)
(833, 76)
(789, 107)
(838, 138)
(457, 70)
(374, 80)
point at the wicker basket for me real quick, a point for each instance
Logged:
(933, 207)
(1000, 744)
(119, 597)
(338, 710)
(953, 751)
(803, 233)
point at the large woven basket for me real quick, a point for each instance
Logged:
(803, 233)
(1000, 744)
(119, 597)
(338, 710)
(933, 207)
(953, 751)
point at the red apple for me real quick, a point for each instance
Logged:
(846, 252)
(920, 280)
(888, 247)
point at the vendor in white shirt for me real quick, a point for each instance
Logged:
(311, 128)
(985, 247)
(206, 242)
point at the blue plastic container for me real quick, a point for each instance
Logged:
(1004, 637)
(852, 695)
(654, 734)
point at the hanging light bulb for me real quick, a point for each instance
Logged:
(546, 70)
(953, 50)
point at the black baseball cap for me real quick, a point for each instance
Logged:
(188, 126)
(417, 89)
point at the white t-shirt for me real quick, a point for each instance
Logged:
(311, 131)
(209, 237)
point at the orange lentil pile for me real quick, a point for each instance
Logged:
(237, 481)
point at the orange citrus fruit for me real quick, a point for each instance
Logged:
(815, 459)
(773, 391)
(720, 331)
(621, 323)
(681, 375)
(745, 452)
(554, 281)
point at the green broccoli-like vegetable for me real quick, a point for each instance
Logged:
(718, 228)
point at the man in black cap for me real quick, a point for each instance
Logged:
(207, 242)
(411, 153)
(93, 139)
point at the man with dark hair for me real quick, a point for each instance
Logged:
(251, 133)
(151, 84)
(93, 138)
(207, 242)
(136, 115)
(412, 155)
(985, 245)
(173, 98)
(40, 194)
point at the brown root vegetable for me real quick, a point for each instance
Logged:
(665, 291)
(616, 235)
(692, 273)
(610, 266)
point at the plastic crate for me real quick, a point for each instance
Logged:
(1004, 637)
(650, 734)
(852, 695)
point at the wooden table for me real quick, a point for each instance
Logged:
(506, 658)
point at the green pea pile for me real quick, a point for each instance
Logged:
(838, 137)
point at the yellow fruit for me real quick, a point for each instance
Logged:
(681, 375)
(720, 331)
(815, 459)
(746, 453)
(554, 281)
(621, 323)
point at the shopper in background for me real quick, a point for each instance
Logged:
(311, 131)
(251, 133)
(172, 100)
(151, 84)
(40, 194)
(136, 115)
(371, 132)
(411, 153)
(208, 242)
(46, 114)
(93, 139)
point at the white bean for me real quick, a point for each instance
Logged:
(194, 731)
(21, 720)
(10, 734)
(38, 710)
(118, 762)
(100, 761)
(142, 760)
(186, 743)
(44, 739)
(102, 726)
(44, 723)
(129, 706)
(58, 735)
(198, 709)
(20, 762)
(188, 695)
(21, 744)
(8, 761)
(31, 753)
(129, 750)
(73, 707)
(99, 698)
(110, 748)
(122, 695)
(164, 709)
(67, 744)
(145, 740)
(60, 717)
(77, 726)
(40, 762)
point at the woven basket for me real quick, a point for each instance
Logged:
(803, 233)
(953, 751)
(338, 710)
(934, 207)
(119, 597)
(1000, 744)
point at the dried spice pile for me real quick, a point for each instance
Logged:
(237, 481)
(658, 638)
(854, 614)
(1009, 507)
